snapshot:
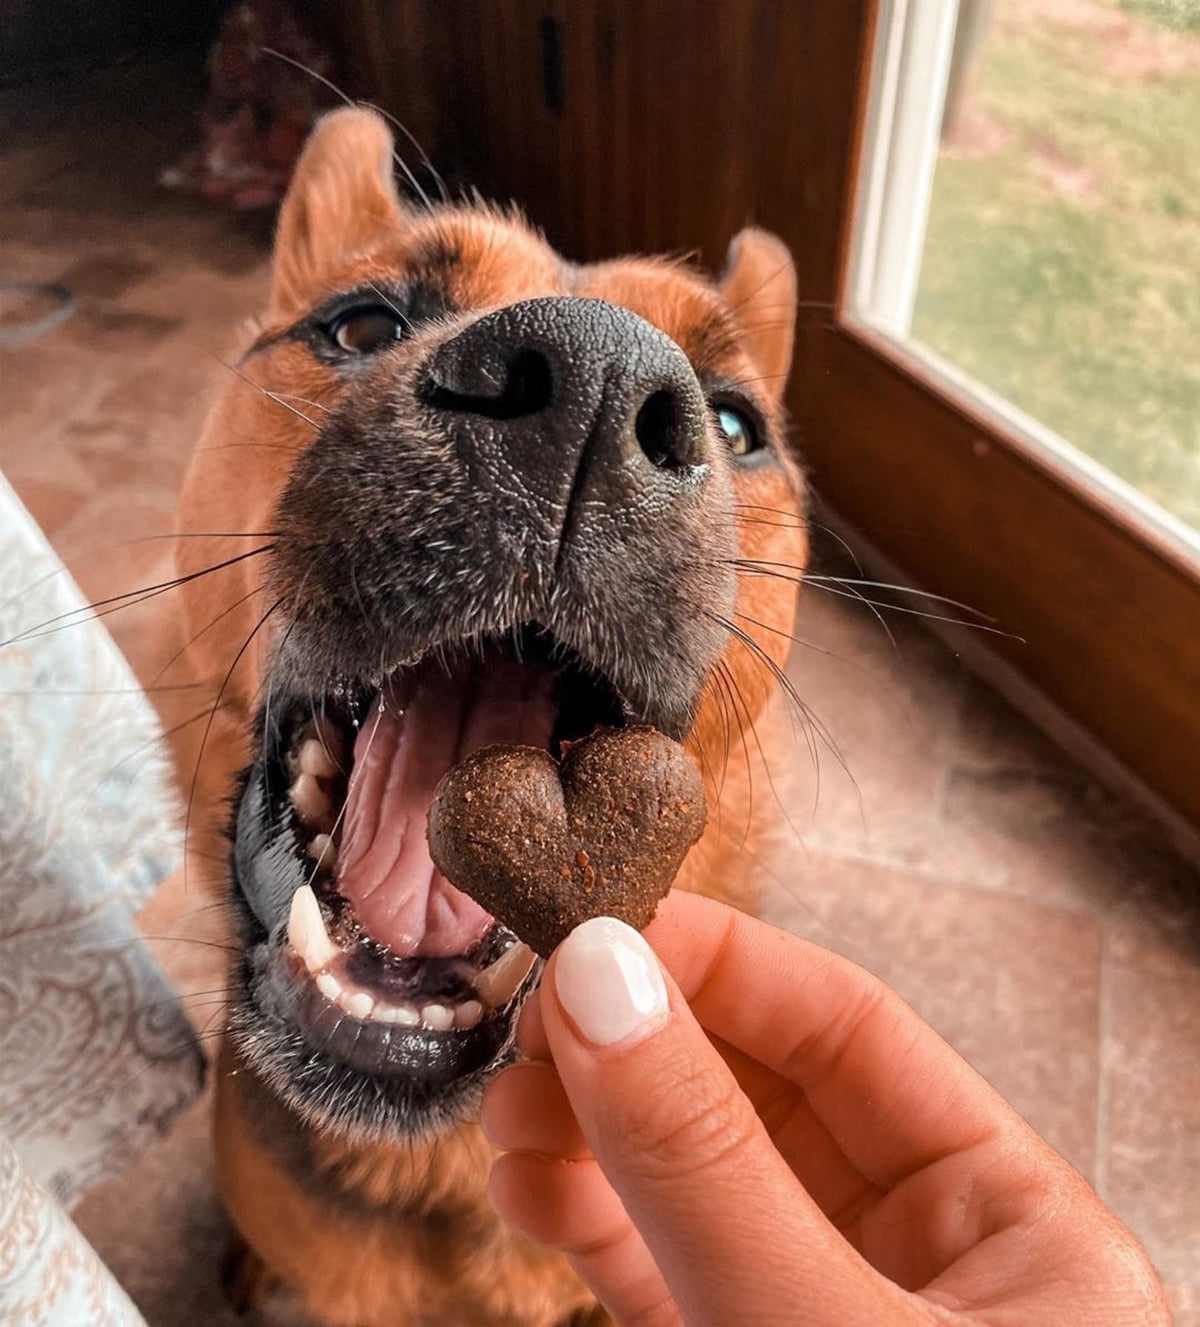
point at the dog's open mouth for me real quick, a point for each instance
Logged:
(381, 964)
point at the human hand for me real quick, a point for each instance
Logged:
(766, 1133)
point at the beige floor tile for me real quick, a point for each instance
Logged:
(1151, 1173)
(1050, 833)
(884, 713)
(1012, 984)
(1185, 1303)
(1020, 816)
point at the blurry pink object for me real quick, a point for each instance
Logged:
(259, 108)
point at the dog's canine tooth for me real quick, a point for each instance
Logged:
(307, 934)
(466, 1015)
(498, 983)
(437, 1017)
(315, 759)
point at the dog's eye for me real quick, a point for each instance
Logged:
(366, 328)
(738, 430)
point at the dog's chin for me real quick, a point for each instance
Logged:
(373, 997)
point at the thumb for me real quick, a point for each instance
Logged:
(733, 1232)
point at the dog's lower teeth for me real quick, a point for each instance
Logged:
(401, 1015)
(437, 1017)
(330, 737)
(468, 1014)
(358, 1005)
(494, 986)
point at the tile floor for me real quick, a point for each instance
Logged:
(1038, 922)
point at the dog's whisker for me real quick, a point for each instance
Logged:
(766, 764)
(187, 824)
(404, 318)
(785, 572)
(198, 534)
(280, 399)
(266, 725)
(786, 685)
(103, 691)
(850, 591)
(901, 589)
(349, 101)
(240, 446)
(304, 400)
(129, 599)
(727, 684)
(199, 635)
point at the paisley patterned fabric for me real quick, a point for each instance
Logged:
(96, 1055)
(49, 1275)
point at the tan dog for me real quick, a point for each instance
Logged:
(461, 491)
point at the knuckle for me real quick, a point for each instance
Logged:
(818, 1057)
(597, 1246)
(690, 1120)
(659, 1313)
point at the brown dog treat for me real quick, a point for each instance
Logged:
(544, 846)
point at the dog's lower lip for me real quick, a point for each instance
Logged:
(414, 1055)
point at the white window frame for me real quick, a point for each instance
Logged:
(914, 47)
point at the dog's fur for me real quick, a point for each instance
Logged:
(389, 1229)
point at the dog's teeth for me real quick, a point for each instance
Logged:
(314, 759)
(322, 851)
(329, 986)
(307, 934)
(468, 1014)
(311, 803)
(437, 1017)
(358, 1004)
(496, 985)
(401, 1014)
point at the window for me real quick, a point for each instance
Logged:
(1030, 226)
(1006, 402)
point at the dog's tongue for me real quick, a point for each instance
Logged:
(411, 737)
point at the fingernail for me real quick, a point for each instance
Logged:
(608, 980)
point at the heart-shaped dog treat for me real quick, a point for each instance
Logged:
(544, 846)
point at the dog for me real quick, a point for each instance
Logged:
(457, 490)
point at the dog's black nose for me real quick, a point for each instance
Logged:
(550, 463)
(576, 400)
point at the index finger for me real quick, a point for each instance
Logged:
(894, 1095)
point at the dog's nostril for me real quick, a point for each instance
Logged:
(659, 431)
(529, 386)
(527, 390)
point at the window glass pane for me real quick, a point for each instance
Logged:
(1033, 217)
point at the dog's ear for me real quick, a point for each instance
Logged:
(759, 286)
(341, 202)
